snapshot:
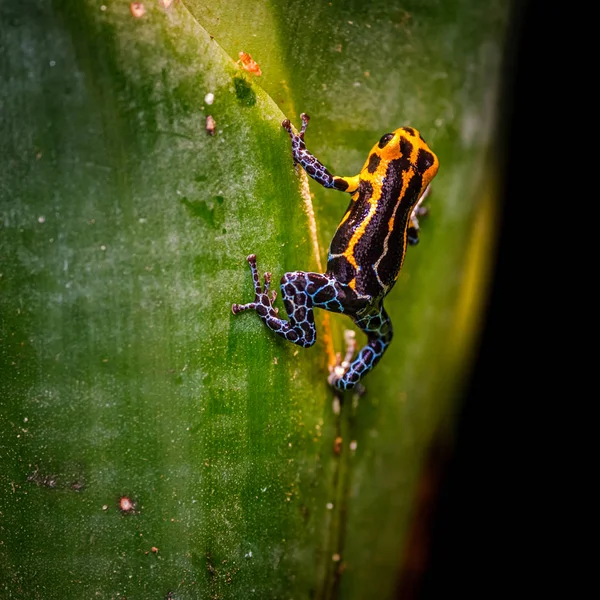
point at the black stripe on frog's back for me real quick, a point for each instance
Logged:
(388, 264)
(382, 246)
(357, 212)
(368, 247)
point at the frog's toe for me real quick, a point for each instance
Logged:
(341, 366)
(335, 375)
(267, 278)
(350, 341)
(238, 308)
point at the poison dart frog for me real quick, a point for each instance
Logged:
(365, 255)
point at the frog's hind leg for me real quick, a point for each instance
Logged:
(378, 327)
(301, 292)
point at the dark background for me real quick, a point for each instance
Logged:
(481, 540)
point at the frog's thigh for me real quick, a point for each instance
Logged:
(302, 291)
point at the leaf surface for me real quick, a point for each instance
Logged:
(124, 227)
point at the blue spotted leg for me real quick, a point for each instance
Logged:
(311, 164)
(375, 322)
(301, 293)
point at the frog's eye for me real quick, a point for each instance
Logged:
(385, 139)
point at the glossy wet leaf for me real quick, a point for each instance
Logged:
(124, 227)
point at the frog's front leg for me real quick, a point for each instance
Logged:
(376, 323)
(301, 292)
(312, 165)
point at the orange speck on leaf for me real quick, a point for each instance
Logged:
(126, 504)
(337, 445)
(137, 9)
(210, 125)
(249, 64)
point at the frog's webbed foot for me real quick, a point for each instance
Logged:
(375, 322)
(299, 152)
(300, 326)
(341, 366)
(337, 371)
(262, 301)
(296, 136)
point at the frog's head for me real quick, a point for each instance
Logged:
(406, 149)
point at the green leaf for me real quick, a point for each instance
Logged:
(124, 227)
